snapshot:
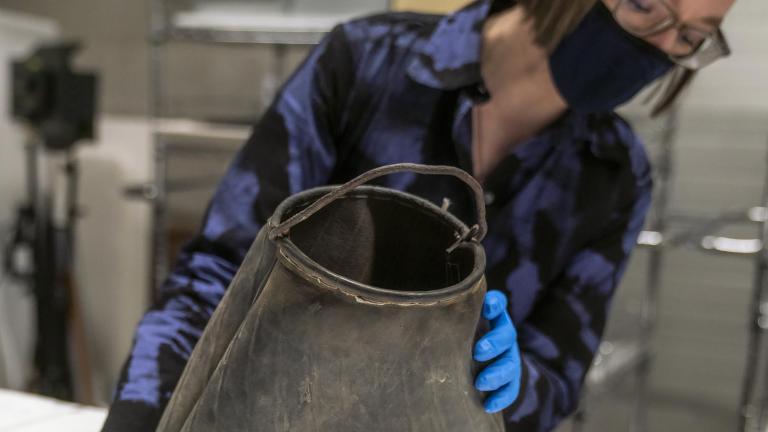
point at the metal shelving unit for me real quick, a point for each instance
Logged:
(754, 400)
(251, 25)
(668, 230)
(276, 24)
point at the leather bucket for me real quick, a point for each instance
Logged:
(354, 310)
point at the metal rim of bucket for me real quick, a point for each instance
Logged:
(308, 268)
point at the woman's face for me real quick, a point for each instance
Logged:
(704, 15)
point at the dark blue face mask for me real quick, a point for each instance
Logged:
(600, 66)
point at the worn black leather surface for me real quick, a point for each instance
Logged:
(357, 320)
(224, 323)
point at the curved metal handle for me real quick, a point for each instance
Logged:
(477, 231)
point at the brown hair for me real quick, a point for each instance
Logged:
(554, 19)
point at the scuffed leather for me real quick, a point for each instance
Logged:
(320, 350)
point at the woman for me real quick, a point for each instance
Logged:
(520, 94)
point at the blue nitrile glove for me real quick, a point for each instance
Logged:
(502, 377)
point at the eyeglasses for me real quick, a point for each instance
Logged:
(694, 47)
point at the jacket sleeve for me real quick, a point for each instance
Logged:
(560, 337)
(291, 149)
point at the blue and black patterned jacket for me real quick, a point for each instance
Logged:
(564, 208)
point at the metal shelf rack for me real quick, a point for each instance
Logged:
(270, 23)
(668, 230)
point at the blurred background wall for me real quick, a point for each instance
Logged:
(721, 148)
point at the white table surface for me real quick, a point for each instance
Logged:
(21, 412)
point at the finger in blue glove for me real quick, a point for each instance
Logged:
(503, 335)
(499, 373)
(502, 398)
(502, 377)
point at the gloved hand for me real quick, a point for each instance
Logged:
(502, 377)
